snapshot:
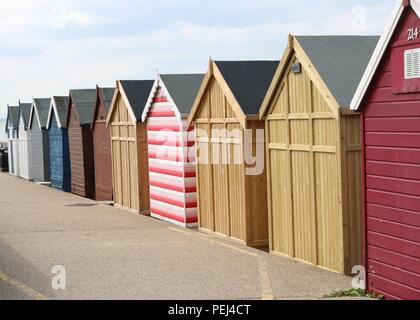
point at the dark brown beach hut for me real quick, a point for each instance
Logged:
(80, 115)
(102, 144)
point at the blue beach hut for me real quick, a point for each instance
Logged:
(59, 144)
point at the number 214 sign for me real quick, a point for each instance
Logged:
(413, 33)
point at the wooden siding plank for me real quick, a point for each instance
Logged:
(401, 140)
(394, 229)
(392, 154)
(398, 215)
(394, 259)
(392, 288)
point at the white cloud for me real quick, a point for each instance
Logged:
(54, 66)
(30, 16)
(60, 18)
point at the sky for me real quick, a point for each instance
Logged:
(50, 46)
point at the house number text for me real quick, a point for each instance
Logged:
(413, 33)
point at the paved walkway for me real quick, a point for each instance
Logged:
(113, 254)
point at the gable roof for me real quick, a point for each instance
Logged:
(137, 93)
(41, 108)
(248, 81)
(381, 48)
(244, 83)
(84, 104)
(12, 116)
(25, 112)
(183, 89)
(59, 106)
(340, 61)
(106, 94)
(335, 63)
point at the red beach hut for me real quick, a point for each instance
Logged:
(172, 172)
(388, 98)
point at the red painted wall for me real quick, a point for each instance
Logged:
(392, 172)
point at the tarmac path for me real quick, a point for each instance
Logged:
(105, 253)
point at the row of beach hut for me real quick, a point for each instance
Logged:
(340, 181)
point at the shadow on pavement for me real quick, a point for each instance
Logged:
(14, 266)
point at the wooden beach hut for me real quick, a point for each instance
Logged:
(59, 143)
(79, 120)
(40, 140)
(231, 189)
(314, 151)
(24, 141)
(388, 98)
(102, 144)
(172, 173)
(129, 145)
(12, 130)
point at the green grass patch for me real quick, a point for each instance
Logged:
(356, 293)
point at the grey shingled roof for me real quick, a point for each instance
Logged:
(248, 81)
(25, 111)
(340, 60)
(13, 116)
(183, 89)
(137, 92)
(62, 104)
(84, 103)
(42, 106)
(107, 94)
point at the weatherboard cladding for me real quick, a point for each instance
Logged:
(40, 148)
(335, 60)
(102, 145)
(23, 142)
(137, 93)
(12, 135)
(59, 154)
(171, 151)
(59, 144)
(391, 132)
(183, 89)
(248, 81)
(81, 109)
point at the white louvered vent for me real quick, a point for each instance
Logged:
(412, 64)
